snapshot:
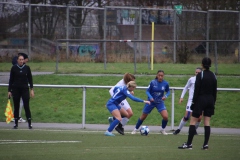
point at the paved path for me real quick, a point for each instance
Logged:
(103, 127)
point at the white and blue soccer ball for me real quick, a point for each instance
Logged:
(144, 130)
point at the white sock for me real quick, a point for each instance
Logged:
(197, 124)
(124, 121)
(182, 123)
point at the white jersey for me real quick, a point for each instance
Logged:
(120, 83)
(124, 103)
(189, 86)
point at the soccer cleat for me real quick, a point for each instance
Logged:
(30, 127)
(108, 134)
(163, 132)
(205, 147)
(120, 129)
(15, 127)
(185, 146)
(176, 132)
(21, 120)
(134, 131)
(110, 120)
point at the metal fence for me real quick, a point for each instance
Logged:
(35, 29)
(84, 90)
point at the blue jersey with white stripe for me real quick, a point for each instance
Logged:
(156, 90)
(120, 93)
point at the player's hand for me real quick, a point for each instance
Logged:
(152, 100)
(163, 98)
(147, 102)
(9, 94)
(180, 100)
(32, 93)
(132, 92)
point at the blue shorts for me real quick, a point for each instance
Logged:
(112, 106)
(148, 108)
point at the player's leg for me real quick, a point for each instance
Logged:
(21, 120)
(163, 112)
(208, 112)
(16, 101)
(185, 118)
(114, 110)
(125, 105)
(183, 122)
(146, 110)
(207, 131)
(25, 98)
(164, 115)
(119, 128)
(191, 133)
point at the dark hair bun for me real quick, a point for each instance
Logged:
(206, 62)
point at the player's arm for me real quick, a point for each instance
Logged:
(185, 89)
(167, 90)
(196, 88)
(148, 91)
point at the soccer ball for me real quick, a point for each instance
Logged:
(144, 130)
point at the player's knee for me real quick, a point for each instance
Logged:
(130, 115)
(187, 116)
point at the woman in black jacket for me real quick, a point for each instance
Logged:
(204, 98)
(20, 77)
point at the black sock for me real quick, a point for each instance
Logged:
(16, 121)
(29, 122)
(207, 131)
(191, 133)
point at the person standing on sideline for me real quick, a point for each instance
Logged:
(14, 62)
(204, 99)
(120, 93)
(155, 93)
(124, 104)
(20, 77)
(189, 86)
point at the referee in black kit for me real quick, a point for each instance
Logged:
(20, 76)
(204, 98)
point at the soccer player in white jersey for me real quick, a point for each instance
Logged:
(190, 88)
(124, 104)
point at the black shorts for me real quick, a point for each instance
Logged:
(205, 104)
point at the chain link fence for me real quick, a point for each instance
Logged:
(82, 33)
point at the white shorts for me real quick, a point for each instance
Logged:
(124, 104)
(188, 106)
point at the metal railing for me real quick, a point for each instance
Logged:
(84, 87)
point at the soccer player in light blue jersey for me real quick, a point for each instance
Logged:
(120, 93)
(155, 93)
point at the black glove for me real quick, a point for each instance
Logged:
(192, 106)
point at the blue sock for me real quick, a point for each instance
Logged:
(112, 125)
(139, 123)
(164, 123)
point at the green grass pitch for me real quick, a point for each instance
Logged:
(82, 144)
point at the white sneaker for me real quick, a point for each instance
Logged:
(163, 132)
(21, 120)
(134, 131)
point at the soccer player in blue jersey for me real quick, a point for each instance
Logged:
(155, 93)
(120, 93)
(124, 104)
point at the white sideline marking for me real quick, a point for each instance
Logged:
(34, 141)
